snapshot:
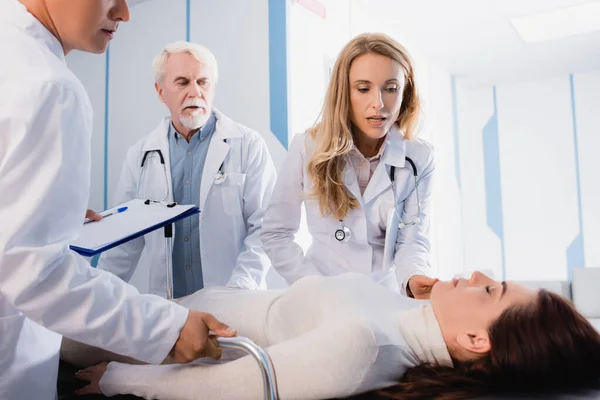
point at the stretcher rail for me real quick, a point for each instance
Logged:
(261, 356)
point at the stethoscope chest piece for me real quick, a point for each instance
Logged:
(342, 234)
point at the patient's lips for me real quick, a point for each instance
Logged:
(454, 282)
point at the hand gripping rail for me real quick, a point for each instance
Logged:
(261, 356)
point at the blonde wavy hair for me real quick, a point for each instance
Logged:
(333, 133)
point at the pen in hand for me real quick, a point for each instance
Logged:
(117, 211)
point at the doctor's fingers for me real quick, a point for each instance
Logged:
(92, 215)
(218, 327)
(93, 372)
(93, 375)
(213, 349)
(422, 281)
(92, 388)
(194, 339)
(421, 286)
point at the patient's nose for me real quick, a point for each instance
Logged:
(480, 279)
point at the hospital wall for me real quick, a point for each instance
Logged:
(529, 176)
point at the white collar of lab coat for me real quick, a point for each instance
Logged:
(424, 336)
(395, 148)
(226, 128)
(15, 13)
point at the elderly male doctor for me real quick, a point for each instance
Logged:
(46, 289)
(197, 156)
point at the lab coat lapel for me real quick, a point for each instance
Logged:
(218, 149)
(394, 154)
(350, 181)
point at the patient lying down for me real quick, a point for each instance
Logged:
(339, 336)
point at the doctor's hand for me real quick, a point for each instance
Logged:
(93, 376)
(419, 286)
(92, 215)
(195, 341)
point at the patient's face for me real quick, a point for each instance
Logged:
(465, 308)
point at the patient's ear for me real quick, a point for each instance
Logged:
(476, 341)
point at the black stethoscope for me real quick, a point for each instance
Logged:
(343, 234)
(219, 177)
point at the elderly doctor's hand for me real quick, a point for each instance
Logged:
(195, 341)
(419, 286)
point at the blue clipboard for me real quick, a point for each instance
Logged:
(92, 252)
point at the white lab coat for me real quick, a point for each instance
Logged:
(231, 212)
(376, 247)
(45, 130)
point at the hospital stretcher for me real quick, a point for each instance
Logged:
(261, 357)
(239, 342)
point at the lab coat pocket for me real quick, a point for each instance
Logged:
(232, 193)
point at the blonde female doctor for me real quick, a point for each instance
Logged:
(364, 179)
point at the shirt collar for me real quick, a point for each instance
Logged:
(395, 148)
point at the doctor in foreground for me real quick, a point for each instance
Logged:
(363, 177)
(197, 156)
(46, 289)
(339, 336)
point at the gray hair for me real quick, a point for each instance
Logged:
(201, 53)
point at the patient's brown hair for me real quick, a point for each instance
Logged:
(544, 346)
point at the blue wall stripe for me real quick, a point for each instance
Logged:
(576, 251)
(106, 94)
(455, 132)
(493, 184)
(187, 20)
(94, 260)
(278, 70)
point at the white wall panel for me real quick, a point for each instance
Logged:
(446, 222)
(538, 177)
(587, 102)
(91, 70)
(483, 248)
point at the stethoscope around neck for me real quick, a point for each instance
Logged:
(342, 233)
(220, 177)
